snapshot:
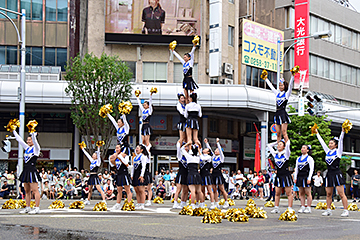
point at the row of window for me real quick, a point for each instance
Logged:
(323, 67)
(55, 10)
(253, 77)
(34, 56)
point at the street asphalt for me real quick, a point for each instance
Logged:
(161, 222)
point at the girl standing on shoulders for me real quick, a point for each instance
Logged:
(146, 112)
(192, 112)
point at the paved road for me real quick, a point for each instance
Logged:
(160, 222)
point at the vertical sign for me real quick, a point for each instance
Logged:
(302, 48)
(215, 13)
(301, 106)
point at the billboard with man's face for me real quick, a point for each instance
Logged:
(153, 17)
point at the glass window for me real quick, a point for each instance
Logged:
(230, 127)
(49, 56)
(313, 24)
(2, 4)
(332, 70)
(353, 76)
(344, 73)
(320, 25)
(50, 10)
(62, 10)
(320, 66)
(332, 29)
(161, 72)
(12, 5)
(338, 36)
(154, 72)
(61, 57)
(37, 10)
(2, 53)
(353, 40)
(28, 56)
(358, 78)
(11, 55)
(231, 36)
(345, 37)
(248, 75)
(313, 65)
(231, 1)
(337, 72)
(132, 68)
(358, 41)
(255, 76)
(26, 4)
(36, 57)
(148, 72)
(326, 68)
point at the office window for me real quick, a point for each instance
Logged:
(2, 54)
(36, 56)
(332, 70)
(358, 78)
(313, 65)
(37, 10)
(12, 5)
(338, 71)
(11, 55)
(132, 68)
(338, 36)
(332, 29)
(354, 40)
(62, 10)
(320, 66)
(50, 10)
(255, 77)
(154, 72)
(230, 127)
(248, 75)
(26, 4)
(61, 57)
(346, 35)
(313, 24)
(326, 69)
(213, 125)
(49, 56)
(231, 36)
(353, 76)
(231, 1)
(3, 5)
(344, 73)
(179, 75)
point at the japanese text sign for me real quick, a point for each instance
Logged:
(259, 45)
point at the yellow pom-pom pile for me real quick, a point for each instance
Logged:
(173, 200)
(199, 212)
(288, 216)
(323, 206)
(14, 204)
(128, 206)
(214, 216)
(231, 202)
(57, 204)
(269, 204)
(100, 206)
(158, 200)
(77, 205)
(187, 210)
(236, 215)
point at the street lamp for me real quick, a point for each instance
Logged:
(317, 35)
(22, 80)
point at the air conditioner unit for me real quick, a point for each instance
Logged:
(227, 81)
(228, 68)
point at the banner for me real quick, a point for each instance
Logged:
(302, 48)
(259, 45)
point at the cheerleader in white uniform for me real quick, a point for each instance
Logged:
(217, 176)
(95, 162)
(121, 161)
(181, 126)
(30, 175)
(192, 112)
(146, 112)
(205, 166)
(148, 177)
(281, 118)
(122, 130)
(334, 177)
(138, 175)
(181, 177)
(188, 64)
(304, 170)
(194, 178)
(283, 177)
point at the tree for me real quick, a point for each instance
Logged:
(92, 83)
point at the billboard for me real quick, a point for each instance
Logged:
(302, 47)
(150, 19)
(259, 45)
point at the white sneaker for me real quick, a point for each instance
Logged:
(193, 206)
(302, 209)
(182, 204)
(327, 212)
(290, 209)
(148, 203)
(212, 206)
(226, 205)
(197, 205)
(117, 206)
(36, 210)
(307, 210)
(217, 205)
(104, 201)
(345, 213)
(139, 207)
(87, 202)
(72, 197)
(275, 210)
(176, 205)
(81, 199)
(25, 210)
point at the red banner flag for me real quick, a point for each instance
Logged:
(302, 24)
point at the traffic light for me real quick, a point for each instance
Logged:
(315, 107)
(6, 145)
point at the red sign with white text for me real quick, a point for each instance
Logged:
(302, 48)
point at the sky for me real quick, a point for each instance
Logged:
(356, 4)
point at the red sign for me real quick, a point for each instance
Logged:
(13, 154)
(302, 48)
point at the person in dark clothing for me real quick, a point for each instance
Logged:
(4, 190)
(153, 17)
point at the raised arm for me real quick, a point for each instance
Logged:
(199, 108)
(296, 170)
(112, 119)
(287, 149)
(98, 160)
(222, 157)
(150, 104)
(87, 154)
(291, 83)
(271, 148)
(323, 144)
(209, 147)
(139, 103)
(311, 165)
(340, 145)
(192, 56)
(20, 140)
(36, 144)
(126, 124)
(271, 86)
(178, 57)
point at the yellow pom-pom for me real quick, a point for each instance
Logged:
(295, 70)
(12, 125)
(313, 129)
(347, 126)
(125, 107)
(100, 206)
(100, 143)
(153, 90)
(57, 204)
(77, 205)
(31, 126)
(288, 215)
(128, 206)
(82, 145)
(196, 40)
(264, 74)
(158, 200)
(137, 93)
(353, 207)
(104, 110)
(269, 204)
(172, 45)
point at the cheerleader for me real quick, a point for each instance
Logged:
(304, 170)
(30, 175)
(334, 177)
(121, 161)
(192, 112)
(188, 64)
(217, 176)
(181, 178)
(281, 118)
(138, 175)
(181, 126)
(95, 162)
(122, 130)
(146, 112)
(194, 178)
(148, 177)
(205, 165)
(283, 177)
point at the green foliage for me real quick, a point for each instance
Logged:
(299, 133)
(94, 82)
(345, 163)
